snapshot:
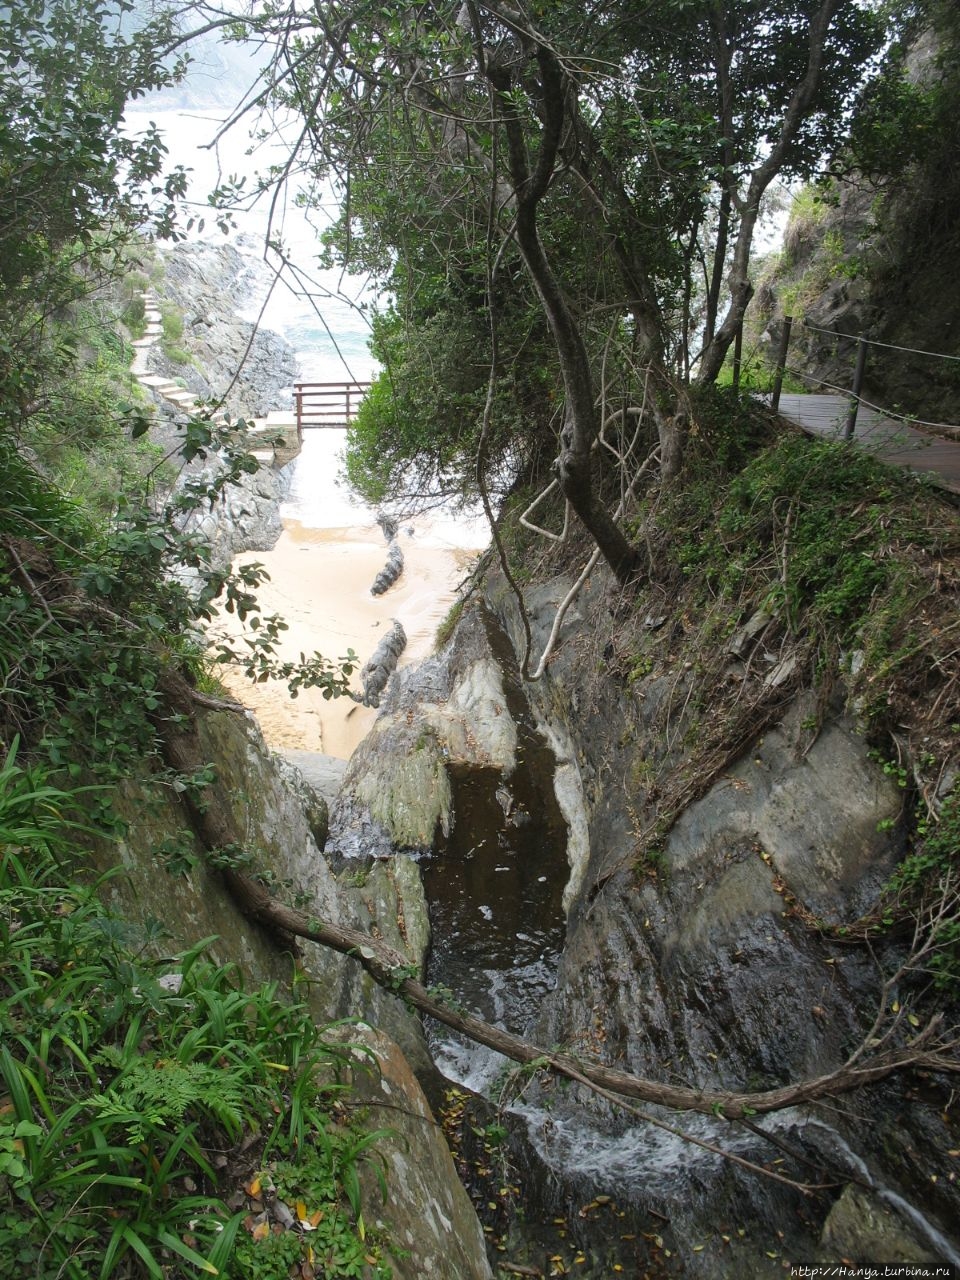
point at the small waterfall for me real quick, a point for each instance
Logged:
(639, 1155)
(495, 888)
(839, 1150)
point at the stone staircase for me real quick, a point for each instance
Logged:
(276, 424)
(176, 395)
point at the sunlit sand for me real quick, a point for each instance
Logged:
(320, 581)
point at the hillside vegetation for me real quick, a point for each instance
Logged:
(125, 1092)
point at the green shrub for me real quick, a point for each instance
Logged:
(177, 354)
(133, 315)
(172, 322)
(805, 519)
(448, 624)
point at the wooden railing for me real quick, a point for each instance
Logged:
(327, 404)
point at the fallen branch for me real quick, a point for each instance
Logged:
(21, 569)
(931, 1047)
(391, 970)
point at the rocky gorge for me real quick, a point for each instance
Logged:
(652, 858)
(699, 967)
(607, 922)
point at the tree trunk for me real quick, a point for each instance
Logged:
(580, 418)
(741, 290)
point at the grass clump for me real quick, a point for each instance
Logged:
(448, 624)
(819, 535)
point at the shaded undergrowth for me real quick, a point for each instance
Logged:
(156, 1118)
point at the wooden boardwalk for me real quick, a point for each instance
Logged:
(888, 439)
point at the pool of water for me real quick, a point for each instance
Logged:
(494, 888)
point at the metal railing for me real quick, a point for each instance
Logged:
(327, 404)
(853, 393)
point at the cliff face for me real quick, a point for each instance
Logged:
(237, 369)
(709, 956)
(876, 252)
(730, 821)
(211, 287)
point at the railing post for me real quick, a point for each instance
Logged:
(781, 362)
(347, 423)
(298, 401)
(855, 390)
(737, 356)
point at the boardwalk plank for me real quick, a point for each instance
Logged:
(886, 438)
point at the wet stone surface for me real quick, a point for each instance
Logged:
(494, 887)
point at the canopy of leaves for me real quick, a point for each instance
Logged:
(73, 184)
(67, 169)
(648, 133)
(102, 586)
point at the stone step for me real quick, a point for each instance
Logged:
(185, 400)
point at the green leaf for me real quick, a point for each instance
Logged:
(142, 1249)
(176, 1245)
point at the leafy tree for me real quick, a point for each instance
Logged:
(615, 156)
(69, 172)
(96, 618)
(73, 184)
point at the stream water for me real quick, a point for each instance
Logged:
(494, 889)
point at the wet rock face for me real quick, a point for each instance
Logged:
(700, 960)
(703, 953)
(860, 1227)
(382, 664)
(426, 1213)
(450, 710)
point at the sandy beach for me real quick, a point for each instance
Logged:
(320, 581)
